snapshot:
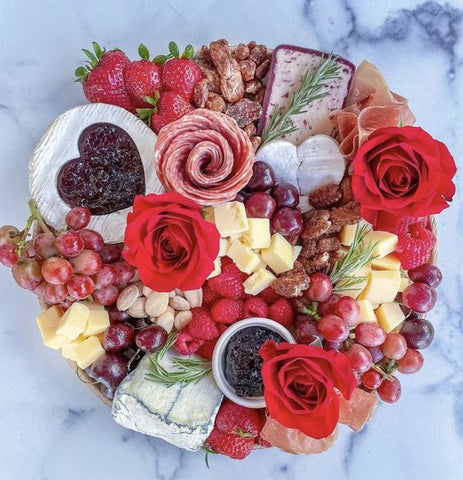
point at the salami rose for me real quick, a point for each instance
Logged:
(204, 156)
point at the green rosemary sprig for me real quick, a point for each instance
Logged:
(311, 89)
(356, 257)
(187, 370)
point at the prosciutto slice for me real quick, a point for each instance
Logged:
(204, 156)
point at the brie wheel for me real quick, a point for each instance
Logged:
(59, 144)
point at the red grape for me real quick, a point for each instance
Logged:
(328, 305)
(44, 245)
(241, 197)
(411, 362)
(109, 370)
(9, 254)
(370, 334)
(150, 339)
(307, 329)
(56, 270)
(320, 287)
(338, 346)
(92, 239)
(87, 263)
(394, 346)
(104, 277)
(348, 309)
(78, 217)
(287, 221)
(69, 244)
(118, 337)
(9, 234)
(107, 295)
(27, 274)
(333, 328)
(124, 272)
(372, 379)
(419, 297)
(80, 287)
(359, 358)
(418, 333)
(286, 195)
(263, 177)
(388, 391)
(376, 353)
(110, 253)
(54, 294)
(426, 273)
(117, 316)
(260, 205)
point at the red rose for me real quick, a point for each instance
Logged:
(299, 386)
(169, 242)
(402, 172)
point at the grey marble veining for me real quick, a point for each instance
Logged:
(52, 427)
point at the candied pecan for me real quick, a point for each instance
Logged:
(259, 96)
(201, 92)
(325, 196)
(316, 223)
(253, 86)
(231, 82)
(293, 283)
(247, 69)
(328, 244)
(346, 190)
(250, 130)
(244, 112)
(258, 54)
(215, 102)
(346, 214)
(334, 257)
(205, 53)
(252, 44)
(262, 69)
(309, 248)
(334, 229)
(319, 262)
(241, 51)
(256, 141)
(293, 239)
(204, 64)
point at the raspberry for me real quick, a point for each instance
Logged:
(209, 297)
(415, 242)
(231, 267)
(227, 284)
(207, 349)
(186, 344)
(282, 312)
(226, 310)
(269, 295)
(254, 307)
(201, 326)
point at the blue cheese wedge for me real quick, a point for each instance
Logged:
(182, 415)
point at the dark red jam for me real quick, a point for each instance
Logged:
(242, 362)
(107, 175)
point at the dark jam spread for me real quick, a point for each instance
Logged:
(107, 175)
(243, 362)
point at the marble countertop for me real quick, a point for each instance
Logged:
(52, 427)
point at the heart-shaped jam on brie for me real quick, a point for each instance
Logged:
(107, 175)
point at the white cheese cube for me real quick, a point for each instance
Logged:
(48, 322)
(97, 322)
(279, 256)
(245, 259)
(258, 281)
(230, 218)
(258, 234)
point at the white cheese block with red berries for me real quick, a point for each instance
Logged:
(62, 143)
(180, 414)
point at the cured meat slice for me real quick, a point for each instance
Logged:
(358, 410)
(204, 156)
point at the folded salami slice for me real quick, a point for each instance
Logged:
(204, 156)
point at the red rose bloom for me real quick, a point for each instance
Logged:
(402, 172)
(169, 242)
(299, 386)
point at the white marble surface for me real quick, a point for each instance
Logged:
(52, 427)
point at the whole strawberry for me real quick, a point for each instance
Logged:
(142, 78)
(103, 79)
(180, 74)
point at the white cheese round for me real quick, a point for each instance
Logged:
(59, 145)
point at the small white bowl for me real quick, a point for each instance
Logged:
(219, 353)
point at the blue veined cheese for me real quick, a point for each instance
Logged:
(182, 415)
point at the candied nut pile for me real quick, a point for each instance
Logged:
(166, 309)
(233, 82)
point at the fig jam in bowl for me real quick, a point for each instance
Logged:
(236, 361)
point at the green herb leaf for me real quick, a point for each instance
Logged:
(173, 49)
(311, 89)
(143, 52)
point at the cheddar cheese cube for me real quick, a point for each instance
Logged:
(68, 350)
(367, 313)
(86, 352)
(258, 234)
(230, 218)
(73, 322)
(279, 256)
(385, 242)
(390, 316)
(389, 262)
(258, 281)
(356, 289)
(245, 259)
(347, 234)
(48, 322)
(97, 322)
(382, 286)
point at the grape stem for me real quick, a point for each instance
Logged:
(382, 372)
(37, 217)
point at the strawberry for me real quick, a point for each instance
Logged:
(227, 284)
(103, 79)
(202, 326)
(230, 444)
(142, 78)
(254, 307)
(233, 418)
(282, 312)
(226, 310)
(186, 344)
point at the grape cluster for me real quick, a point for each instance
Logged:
(264, 198)
(373, 354)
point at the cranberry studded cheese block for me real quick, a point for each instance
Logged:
(234, 245)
